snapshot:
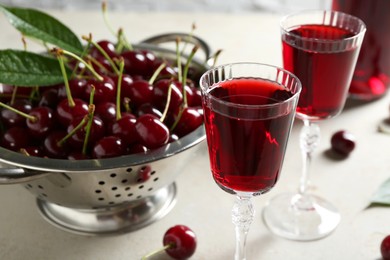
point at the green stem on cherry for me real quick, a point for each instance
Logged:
(103, 52)
(74, 130)
(29, 117)
(169, 94)
(118, 89)
(145, 257)
(105, 17)
(91, 111)
(83, 54)
(156, 73)
(184, 82)
(126, 104)
(215, 57)
(65, 76)
(122, 41)
(189, 37)
(87, 65)
(178, 57)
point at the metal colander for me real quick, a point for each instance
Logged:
(105, 196)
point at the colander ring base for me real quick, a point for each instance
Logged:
(117, 219)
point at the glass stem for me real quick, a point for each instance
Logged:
(309, 140)
(242, 216)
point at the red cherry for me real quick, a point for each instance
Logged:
(10, 118)
(15, 138)
(52, 146)
(107, 147)
(107, 46)
(343, 142)
(181, 241)
(76, 86)
(66, 113)
(105, 90)
(97, 132)
(385, 248)
(151, 131)
(160, 94)
(106, 111)
(44, 122)
(190, 119)
(125, 128)
(135, 63)
(140, 92)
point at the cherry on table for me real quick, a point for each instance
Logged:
(343, 142)
(181, 242)
(385, 248)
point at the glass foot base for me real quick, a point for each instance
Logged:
(298, 217)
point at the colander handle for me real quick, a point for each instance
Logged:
(171, 37)
(19, 175)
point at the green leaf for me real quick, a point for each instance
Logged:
(382, 195)
(22, 68)
(39, 25)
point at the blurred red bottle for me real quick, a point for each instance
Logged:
(372, 74)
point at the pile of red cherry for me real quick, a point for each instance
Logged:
(61, 121)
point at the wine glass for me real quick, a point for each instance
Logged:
(249, 109)
(321, 49)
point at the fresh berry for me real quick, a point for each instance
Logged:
(181, 242)
(343, 142)
(151, 131)
(385, 248)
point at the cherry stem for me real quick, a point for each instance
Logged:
(103, 52)
(24, 151)
(169, 94)
(122, 41)
(153, 253)
(87, 65)
(126, 104)
(188, 38)
(83, 54)
(74, 130)
(105, 17)
(29, 117)
(184, 79)
(66, 81)
(119, 87)
(215, 57)
(91, 111)
(156, 73)
(178, 57)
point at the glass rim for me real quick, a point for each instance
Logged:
(262, 106)
(286, 30)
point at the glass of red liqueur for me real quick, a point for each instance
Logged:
(249, 109)
(321, 48)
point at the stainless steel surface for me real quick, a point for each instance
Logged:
(122, 218)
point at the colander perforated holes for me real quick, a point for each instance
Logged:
(98, 191)
(101, 183)
(140, 186)
(129, 169)
(113, 175)
(114, 188)
(155, 179)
